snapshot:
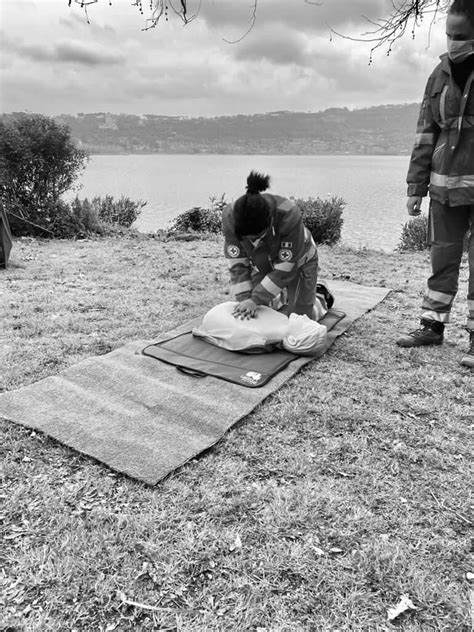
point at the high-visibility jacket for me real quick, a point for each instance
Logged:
(286, 246)
(442, 160)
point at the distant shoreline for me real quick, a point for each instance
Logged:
(211, 153)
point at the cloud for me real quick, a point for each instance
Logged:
(80, 53)
(66, 52)
(52, 61)
(165, 83)
(294, 14)
(278, 46)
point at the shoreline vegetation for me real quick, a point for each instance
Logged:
(343, 491)
(379, 130)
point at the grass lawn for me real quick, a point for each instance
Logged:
(345, 490)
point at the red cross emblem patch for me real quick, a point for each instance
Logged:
(285, 254)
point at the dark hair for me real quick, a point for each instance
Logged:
(463, 7)
(252, 211)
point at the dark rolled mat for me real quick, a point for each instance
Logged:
(199, 358)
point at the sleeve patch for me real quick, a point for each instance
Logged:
(285, 254)
(233, 251)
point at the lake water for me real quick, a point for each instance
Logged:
(373, 186)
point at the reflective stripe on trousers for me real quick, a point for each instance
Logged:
(447, 230)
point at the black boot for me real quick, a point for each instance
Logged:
(430, 333)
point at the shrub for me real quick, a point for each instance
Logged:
(87, 214)
(80, 218)
(39, 162)
(414, 235)
(323, 218)
(55, 219)
(201, 220)
(64, 223)
(122, 212)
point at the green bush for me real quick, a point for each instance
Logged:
(39, 161)
(201, 220)
(64, 223)
(80, 218)
(323, 218)
(55, 219)
(122, 212)
(414, 235)
(88, 215)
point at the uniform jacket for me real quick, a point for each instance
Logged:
(442, 160)
(286, 246)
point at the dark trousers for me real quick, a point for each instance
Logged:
(302, 292)
(446, 233)
(299, 296)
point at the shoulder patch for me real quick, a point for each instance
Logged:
(285, 254)
(233, 250)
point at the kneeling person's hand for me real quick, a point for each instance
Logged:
(245, 309)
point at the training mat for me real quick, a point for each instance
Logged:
(202, 359)
(143, 417)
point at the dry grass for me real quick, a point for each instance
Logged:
(346, 489)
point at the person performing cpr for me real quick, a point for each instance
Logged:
(271, 253)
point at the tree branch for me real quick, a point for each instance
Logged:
(404, 14)
(253, 19)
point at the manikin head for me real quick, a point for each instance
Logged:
(460, 30)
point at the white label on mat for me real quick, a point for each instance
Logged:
(252, 377)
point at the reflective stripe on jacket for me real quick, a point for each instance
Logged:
(442, 160)
(285, 247)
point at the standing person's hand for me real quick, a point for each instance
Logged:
(414, 204)
(245, 309)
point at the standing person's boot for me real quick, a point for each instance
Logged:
(430, 333)
(468, 359)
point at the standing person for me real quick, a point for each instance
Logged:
(443, 163)
(269, 249)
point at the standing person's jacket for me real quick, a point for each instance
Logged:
(286, 246)
(442, 160)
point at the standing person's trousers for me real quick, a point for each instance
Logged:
(446, 233)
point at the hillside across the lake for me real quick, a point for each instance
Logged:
(386, 129)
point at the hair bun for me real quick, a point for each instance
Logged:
(257, 182)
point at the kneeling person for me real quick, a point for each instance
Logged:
(269, 250)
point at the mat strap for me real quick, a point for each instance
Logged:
(191, 372)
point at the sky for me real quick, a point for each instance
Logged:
(53, 62)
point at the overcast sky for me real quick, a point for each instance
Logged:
(53, 62)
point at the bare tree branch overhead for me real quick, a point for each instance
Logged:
(405, 16)
(155, 9)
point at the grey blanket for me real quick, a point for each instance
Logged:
(141, 416)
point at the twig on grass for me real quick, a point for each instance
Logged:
(456, 513)
(145, 606)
